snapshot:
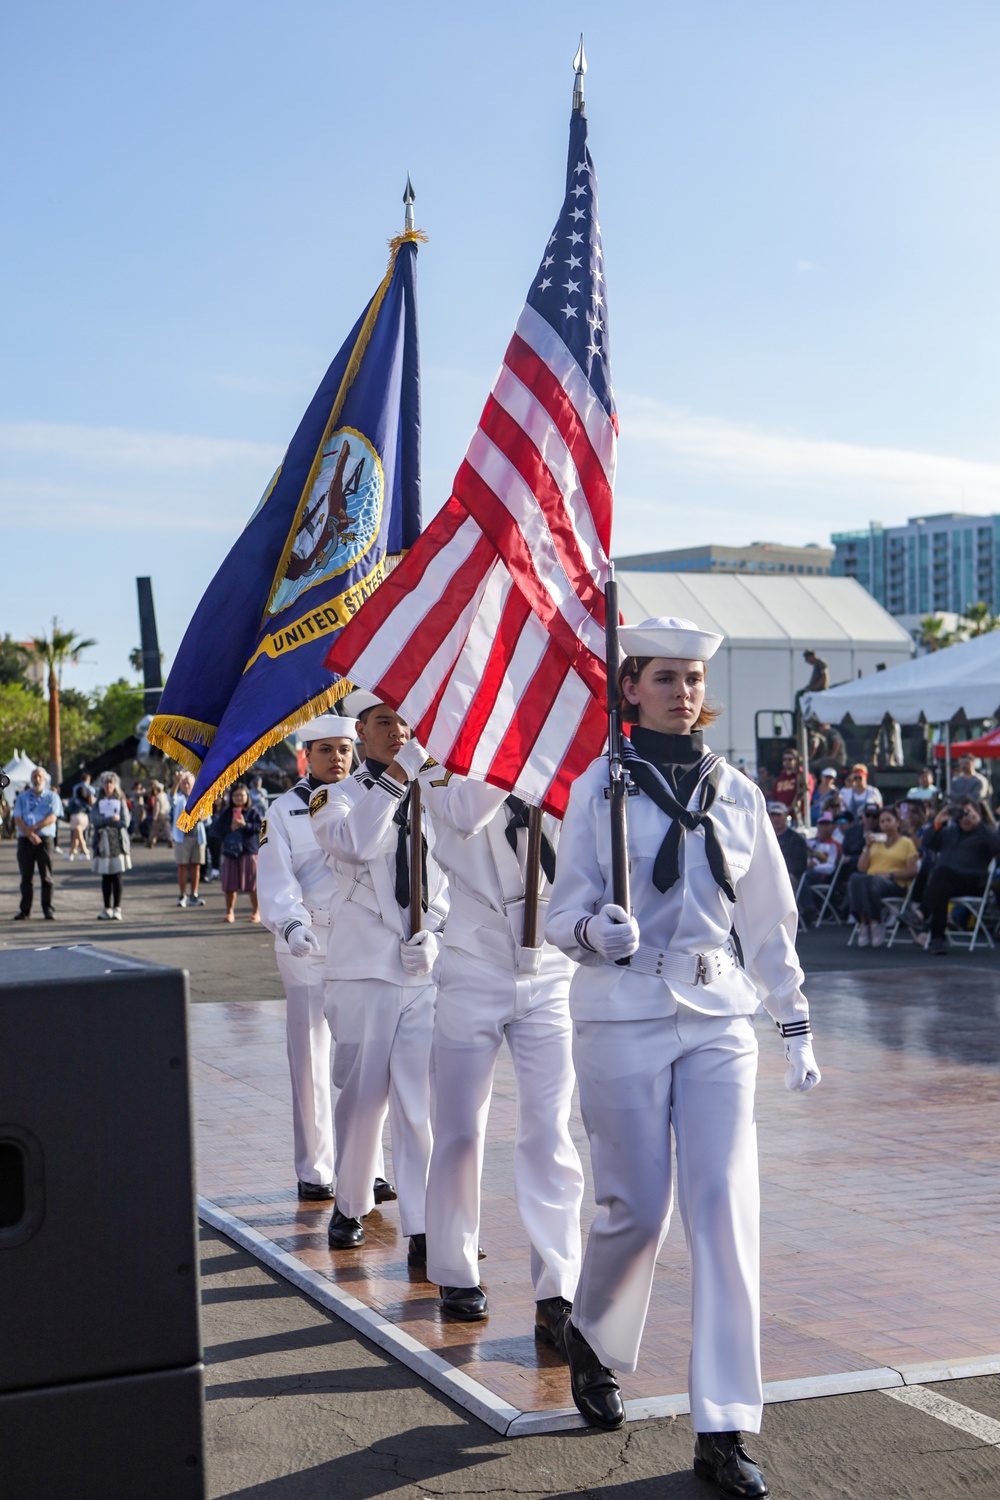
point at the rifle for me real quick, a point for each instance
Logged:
(617, 794)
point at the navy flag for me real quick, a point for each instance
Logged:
(346, 495)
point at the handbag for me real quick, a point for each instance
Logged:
(232, 846)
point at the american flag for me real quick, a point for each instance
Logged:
(488, 639)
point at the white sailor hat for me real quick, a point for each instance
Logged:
(328, 727)
(359, 702)
(669, 636)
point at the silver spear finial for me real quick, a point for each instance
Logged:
(580, 65)
(408, 198)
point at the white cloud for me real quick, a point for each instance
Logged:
(122, 448)
(755, 456)
(68, 475)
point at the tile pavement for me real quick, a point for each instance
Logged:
(880, 1197)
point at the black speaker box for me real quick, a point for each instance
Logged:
(98, 1258)
(134, 1438)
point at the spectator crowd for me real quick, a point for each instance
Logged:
(857, 859)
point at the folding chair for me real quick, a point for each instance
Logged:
(897, 907)
(801, 926)
(827, 887)
(976, 905)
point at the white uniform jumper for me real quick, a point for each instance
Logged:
(295, 886)
(380, 1016)
(666, 1043)
(491, 987)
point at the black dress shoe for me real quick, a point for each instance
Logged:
(550, 1315)
(23, 916)
(465, 1303)
(316, 1192)
(49, 916)
(596, 1392)
(722, 1458)
(344, 1233)
(384, 1191)
(416, 1255)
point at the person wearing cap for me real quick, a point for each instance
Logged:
(379, 973)
(663, 1042)
(491, 988)
(826, 786)
(856, 795)
(823, 853)
(295, 890)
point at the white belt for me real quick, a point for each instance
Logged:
(689, 968)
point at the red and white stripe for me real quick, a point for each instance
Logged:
(488, 638)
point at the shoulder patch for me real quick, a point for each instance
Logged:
(263, 833)
(319, 799)
(442, 780)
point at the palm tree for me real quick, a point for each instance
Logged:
(932, 634)
(980, 618)
(55, 651)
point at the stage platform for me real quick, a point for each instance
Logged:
(880, 1209)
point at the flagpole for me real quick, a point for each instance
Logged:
(532, 867)
(617, 795)
(416, 861)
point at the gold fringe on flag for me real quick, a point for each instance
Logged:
(205, 806)
(165, 732)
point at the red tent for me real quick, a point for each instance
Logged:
(988, 745)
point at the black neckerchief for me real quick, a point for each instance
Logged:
(401, 817)
(305, 786)
(671, 784)
(519, 819)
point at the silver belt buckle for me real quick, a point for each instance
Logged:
(701, 973)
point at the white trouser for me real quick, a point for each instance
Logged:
(697, 1074)
(307, 1036)
(479, 1004)
(381, 1058)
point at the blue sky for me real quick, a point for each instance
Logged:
(800, 223)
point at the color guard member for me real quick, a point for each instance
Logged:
(491, 987)
(665, 1042)
(379, 974)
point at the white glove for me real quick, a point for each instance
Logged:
(302, 941)
(418, 953)
(411, 758)
(803, 1073)
(612, 933)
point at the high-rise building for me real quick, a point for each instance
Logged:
(755, 557)
(932, 564)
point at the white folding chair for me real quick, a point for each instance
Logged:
(827, 888)
(977, 905)
(896, 927)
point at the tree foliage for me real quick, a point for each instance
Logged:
(13, 660)
(24, 725)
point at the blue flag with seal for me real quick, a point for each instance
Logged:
(345, 497)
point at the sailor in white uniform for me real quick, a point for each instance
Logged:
(664, 1043)
(295, 888)
(379, 975)
(491, 987)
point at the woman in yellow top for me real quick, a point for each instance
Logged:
(887, 864)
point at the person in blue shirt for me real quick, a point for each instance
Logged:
(36, 813)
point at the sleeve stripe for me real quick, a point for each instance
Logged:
(397, 789)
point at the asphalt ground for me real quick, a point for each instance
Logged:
(298, 1406)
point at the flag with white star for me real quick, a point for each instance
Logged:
(569, 289)
(488, 639)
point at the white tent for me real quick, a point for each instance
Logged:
(938, 686)
(768, 622)
(19, 770)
